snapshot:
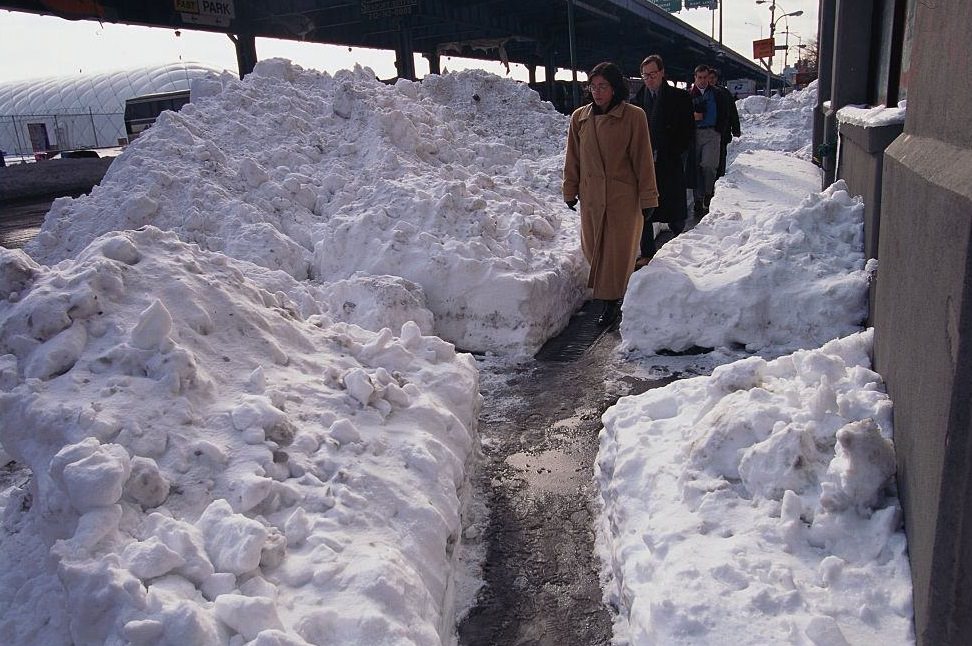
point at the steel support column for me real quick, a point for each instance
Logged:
(246, 56)
(405, 52)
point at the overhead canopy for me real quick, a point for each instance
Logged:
(533, 32)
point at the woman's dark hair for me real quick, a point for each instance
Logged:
(612, 74)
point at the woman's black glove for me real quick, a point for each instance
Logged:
(572, 204)
(650, 211)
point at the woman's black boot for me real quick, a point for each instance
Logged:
(610, 313)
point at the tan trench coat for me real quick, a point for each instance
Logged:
(609, 168)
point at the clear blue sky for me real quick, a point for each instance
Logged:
(33, 46)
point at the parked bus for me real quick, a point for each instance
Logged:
(141, 111)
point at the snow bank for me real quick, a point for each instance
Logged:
(777, 123)
(216, 460)
(870, 117)
(756, 506)
(452, 183)
(775, 266)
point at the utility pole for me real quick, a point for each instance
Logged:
(573, 54)
(772, 30)
(769, 68)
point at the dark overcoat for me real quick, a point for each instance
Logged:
(672, 127)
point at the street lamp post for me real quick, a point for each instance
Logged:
(772, 30)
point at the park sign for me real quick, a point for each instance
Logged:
(764, 48)
(671, 6)
(701, 4)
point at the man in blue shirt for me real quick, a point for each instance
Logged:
(707, 139)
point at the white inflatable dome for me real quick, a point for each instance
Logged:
(84, 111)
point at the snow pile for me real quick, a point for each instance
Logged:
(773, 267)
(755, 506)
(777, 123)
(217, 461)
(872, 117)
(452, 183)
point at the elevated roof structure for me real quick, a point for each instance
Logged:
(536, 33)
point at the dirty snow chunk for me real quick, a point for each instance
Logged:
(91, 474)
(344, 432)
(121, 249)
(92, 527)
(359, 385)
(256, 411)
(146, 485)
(247, 616)
(376, 302)
(17, 272)
(261, 243)
(183, 539)
(153, 327)
(253, 173)
(58, 354)
(250, 487)
(862, 466)
(143, 631)
(151, 558)
(297, 527)
(8, 372)
(233, 541)
(99, 592)
(824, 631)
(780, 463)
(277, 638)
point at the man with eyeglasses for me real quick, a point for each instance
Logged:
(671, 124)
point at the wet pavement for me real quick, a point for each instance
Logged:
(539, 428)
(19, 222)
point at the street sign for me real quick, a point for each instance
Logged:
(764, 48)
(671, 6)
(701, 4)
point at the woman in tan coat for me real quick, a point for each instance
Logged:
(609, 168)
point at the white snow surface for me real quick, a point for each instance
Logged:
(756, 506)
(452, 183)
(777, 123)
(213, 460)
(775, 266)
(870, 117)
(238, 427)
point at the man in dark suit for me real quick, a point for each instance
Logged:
(672, 125)
(727, 119)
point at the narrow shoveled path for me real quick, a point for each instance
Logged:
(539, 428)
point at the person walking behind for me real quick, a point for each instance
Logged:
(608, 166)
(727, 119)
(707, 139)
(671, 126)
